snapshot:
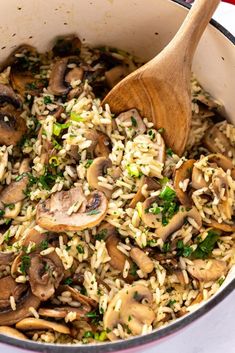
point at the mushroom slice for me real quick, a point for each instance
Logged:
(151, 185)
(6, 258)
(10, 317)
(116, 74)
(12, 126)
(68, 45)
(7, 95)
(45, 274)
(62, 312)
(25, 83)
(178, 220)
(75, 74)
(132, 117)
(223, 162)
(216, 142)
(219, 187)
(29, 324)
(183, 174)
(222, 226)
(54, 213)
(10, 288)
(12, 332)
(57, 85)
(14, 192)
(207, 270)
(97, 169)
(134, 310)
(149, 218)
(198, 181)
(103, 146)
(142, 260)
(86, 302)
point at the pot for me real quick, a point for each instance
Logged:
(142, 28)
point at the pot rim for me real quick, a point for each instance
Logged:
(139, 340)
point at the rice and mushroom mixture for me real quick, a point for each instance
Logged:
(105, 232)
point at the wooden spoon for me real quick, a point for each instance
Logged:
(161, 89)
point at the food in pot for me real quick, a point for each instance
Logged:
(105, 232)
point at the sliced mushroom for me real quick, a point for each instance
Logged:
(40, 324)
(7, 95)
(86, 302)
(53, 214)
(75, 74)
(62, 312)
(12, 126)
(133, 117)
(151, 185)
(134, 310)
(142, 260)
(10, 317)
(57, 85)
(216, 142)
(183, 173)
(10, 288)
(45, 274)
(177, 221)
(198, 181)
(207, 270)
(219, 187)
(116, 74)
(103, 146)
(66, 46)
(149, 218)
(12, 332)
(6, 258)
(99, 168)
(222, 226)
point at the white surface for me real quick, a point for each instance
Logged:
(215, 331)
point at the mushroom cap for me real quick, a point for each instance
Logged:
(7, 95)
(131, 116)
(132, 306)
(207, 270)
(52, 214)
(99, 168)
(182, 173)
(198, 181)
(29, 324)
(10, 288)
(213, 134)
(14, 192)
(12, 126)
(57, 84)
(12, 332)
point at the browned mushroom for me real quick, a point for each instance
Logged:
(75, 74)
(151, 220)
(198, 181)
(103, 146)
(222, 226)
(57, 85)
(6, 258)
(151, 185)
(177, 221)
(114, 75)
(142, 260)
(29, 324)
(10, 288)
(131, 306)
(207, 270)
(184, 172)
(219, 187)
(132, 117)
(12, 332)
(70, 210)
(217, 142)
(66, 46)
(99, 168)
(12, 126)
(7, 95)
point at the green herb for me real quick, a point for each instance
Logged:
(88, 334)
(47, 180)
(152, 134)
(183, 250)
(7, 236)
(68, 281)
(220, 281)
(8, 221)
(167, 194)
(80, 249)
(47, 99)
(54, 161)
(133, 269)
(76, 117)
(19, 177)
(133, 121)
(11, 206)
(169, 152)
(88, 163)
(171, 303)
(101, 337)
(133, 170)
(161, 130)
(43, 245)
(166, 247)
(2, 212)
(25, 263)
(92, 212)
(68, 247)
(95, 316)
(56, 144)
(163, 181)
(31, 86)
(205, 248)
(101, 235)
(58, 128)
(129, 318)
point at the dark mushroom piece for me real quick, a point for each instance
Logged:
(57, 84)
(66, 46)
(24, 300)
(99, 168)
(224, 147)
(57, 213)
(12, 126)
(151, 185)
(116, 74)
(7, 95)
(182, 173)
(6, 258)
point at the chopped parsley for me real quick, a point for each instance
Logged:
(205, 247)
(25, 263)
(88, 163)
(80, 249)
(88, 334)
(58, 128)
(152, 134)
(76, 117)
(93, 212)
(2, 212)
(101, 235)
(47, 180)
(47, 99)
(169, 152)
(171, 303)
(220, 281)
(133, 170)
(68, 281)
(133, 121)
(166, 247)
(183, 250)
(133, 269)
(43, 245)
